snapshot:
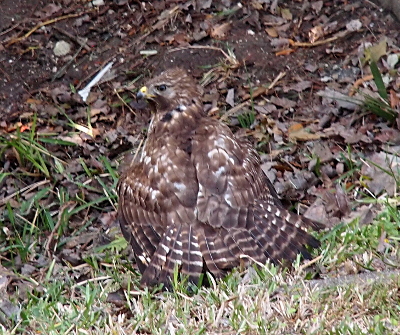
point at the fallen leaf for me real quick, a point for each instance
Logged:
(33, 101)
(375, 52)
(317, 6)
(286, 14)
(297, 132)
(315, 34)
(220, 31)
(354, 25)
(381, 168)
(283, 102)
(280, 43)
(298, 87)
(230, 97)
(271, 31)
(394, 100)
(295, 127)
(322, 151)
(349, 134)
(392, 60)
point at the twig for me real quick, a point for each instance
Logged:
(122, 100)
(137, 150)
(79, 40)
(91, 280)
(256, 94)
(229, 58)
(10, 29)
(5, 75)
(71, 205)
(27, 188)
(64, 68)
(358, 82)
(310, 45)
(306, 265)
(42, 24)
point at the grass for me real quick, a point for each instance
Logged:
(269, 302)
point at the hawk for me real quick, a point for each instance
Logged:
(197, 199)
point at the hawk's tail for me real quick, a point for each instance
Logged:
(280, 234)
(263, 232)
(179, 247)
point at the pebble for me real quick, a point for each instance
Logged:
(62, 48)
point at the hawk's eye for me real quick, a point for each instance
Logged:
(162, 87)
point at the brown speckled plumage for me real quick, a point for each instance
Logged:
(198, 199)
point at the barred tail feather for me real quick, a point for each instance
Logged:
(162, 264)
(216, 254)
(173, 258)
(244, 244)
(285, 239)
(192, 260)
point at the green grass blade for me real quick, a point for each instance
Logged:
(378, 80)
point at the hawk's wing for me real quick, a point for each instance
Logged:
(157, 199)
(239, 203)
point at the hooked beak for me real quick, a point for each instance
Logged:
(143, 94)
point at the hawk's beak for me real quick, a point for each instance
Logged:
(144, 94)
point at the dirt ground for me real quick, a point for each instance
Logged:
(291, 65)
(119, 32)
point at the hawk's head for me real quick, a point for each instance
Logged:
(172, 88)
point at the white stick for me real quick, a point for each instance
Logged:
(85, 91)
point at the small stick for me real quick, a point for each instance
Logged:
(71, 205)
(42, 24)
(78, 40)
(310, 45)
(358, 82)
(10, 29)
(229, 58)
(64, 68)
(27, 188)
(256, 94)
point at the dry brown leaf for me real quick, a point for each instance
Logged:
(297, 132)
(298, 87)
(315, 34)
(295, 127)
(350, 135)
(220, 30)
(317, 6)
(283, 102)
(33, 101)
(378, 168)
(271, 31)
(394, 100)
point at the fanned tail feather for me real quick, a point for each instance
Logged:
(179, 248)
(192, 260)
(217, 256)
(282, 233)
(163, 259)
